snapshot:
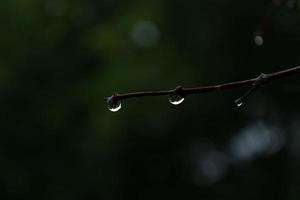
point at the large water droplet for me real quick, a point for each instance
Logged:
(258, 39)
(113, 105)
(175, 99)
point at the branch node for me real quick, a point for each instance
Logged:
(260, 80)
(178, 90)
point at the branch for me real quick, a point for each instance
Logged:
(114, 101)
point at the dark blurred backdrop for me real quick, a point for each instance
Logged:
(60, 58)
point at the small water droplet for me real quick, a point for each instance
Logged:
(239, 104)
(175, 99)
(113, 105)
(258, 39)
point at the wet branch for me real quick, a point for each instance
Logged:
(255, 83)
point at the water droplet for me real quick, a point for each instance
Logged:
(258, 39)
(239, 104)
(113, 105)
(175, 99)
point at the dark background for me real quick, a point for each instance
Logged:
(59, 59)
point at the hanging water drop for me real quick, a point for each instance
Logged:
(175, 99)
(258, 39)
(239, 104)
(113, 105)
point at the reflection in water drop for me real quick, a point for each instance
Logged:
(113, 105)
(175, 99)
(258, 39)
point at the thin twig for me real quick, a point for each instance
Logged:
(260, 80)
(179, 90)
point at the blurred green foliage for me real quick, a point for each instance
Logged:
(59, 59)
